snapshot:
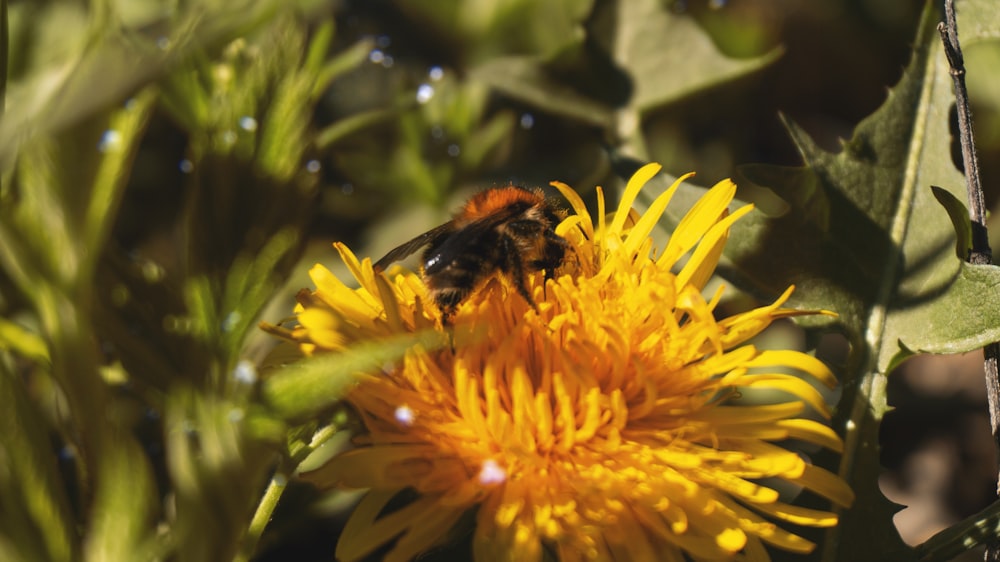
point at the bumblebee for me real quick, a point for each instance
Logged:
(507, 230)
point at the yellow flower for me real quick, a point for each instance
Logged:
(600, 427)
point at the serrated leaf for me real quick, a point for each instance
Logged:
(864, 232)
(669, 56)
(664, 57)
(864, 236)
(956, 320)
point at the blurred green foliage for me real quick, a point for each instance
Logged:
(165, 166)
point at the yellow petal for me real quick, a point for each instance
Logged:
(579, 208)
(697, 221)
(651, 217)
(826, 484)
(798, 360)
(813, 432)
(702, 264)
(635, 183)
(792, 385)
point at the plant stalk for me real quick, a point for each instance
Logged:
(980, 254)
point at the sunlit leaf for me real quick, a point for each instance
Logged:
(351, 125)
(963, 536)
(662, 57)
(216, 470)
(978, 20)
(116, 60)
(124, 505)
(35, 516)
(668, 56)
(526, 79)
(864, 231)
(311, 385)
(864, 236)
(488, 28)
(959, 215)
(22, 342)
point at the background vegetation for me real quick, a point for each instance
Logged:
(169, 170)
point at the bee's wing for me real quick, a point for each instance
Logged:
(407, 248)
(465, 238)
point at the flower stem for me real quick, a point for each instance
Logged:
(275, 488)
(262, 516)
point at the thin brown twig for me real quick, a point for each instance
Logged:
(980, 252)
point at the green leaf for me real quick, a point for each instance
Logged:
(4, 52)
(963, 536)
(956, 321)
(527, 79)
(250, 285)
(486, 28)
(863, 235)
(332, 69)
(863, 232)
(35, 517)
(309, 386)
(663, 57)
(959, 215)
(124, 506)
(68, 191)
(349, 125)
(217, 471)
(116, 59)
(669, 56)
(22, 342)
(977, 20)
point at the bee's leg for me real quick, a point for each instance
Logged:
(555, 251)
(447, 302)
(515, 269)
(556, 248)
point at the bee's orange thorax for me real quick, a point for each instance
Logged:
(490, 201)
